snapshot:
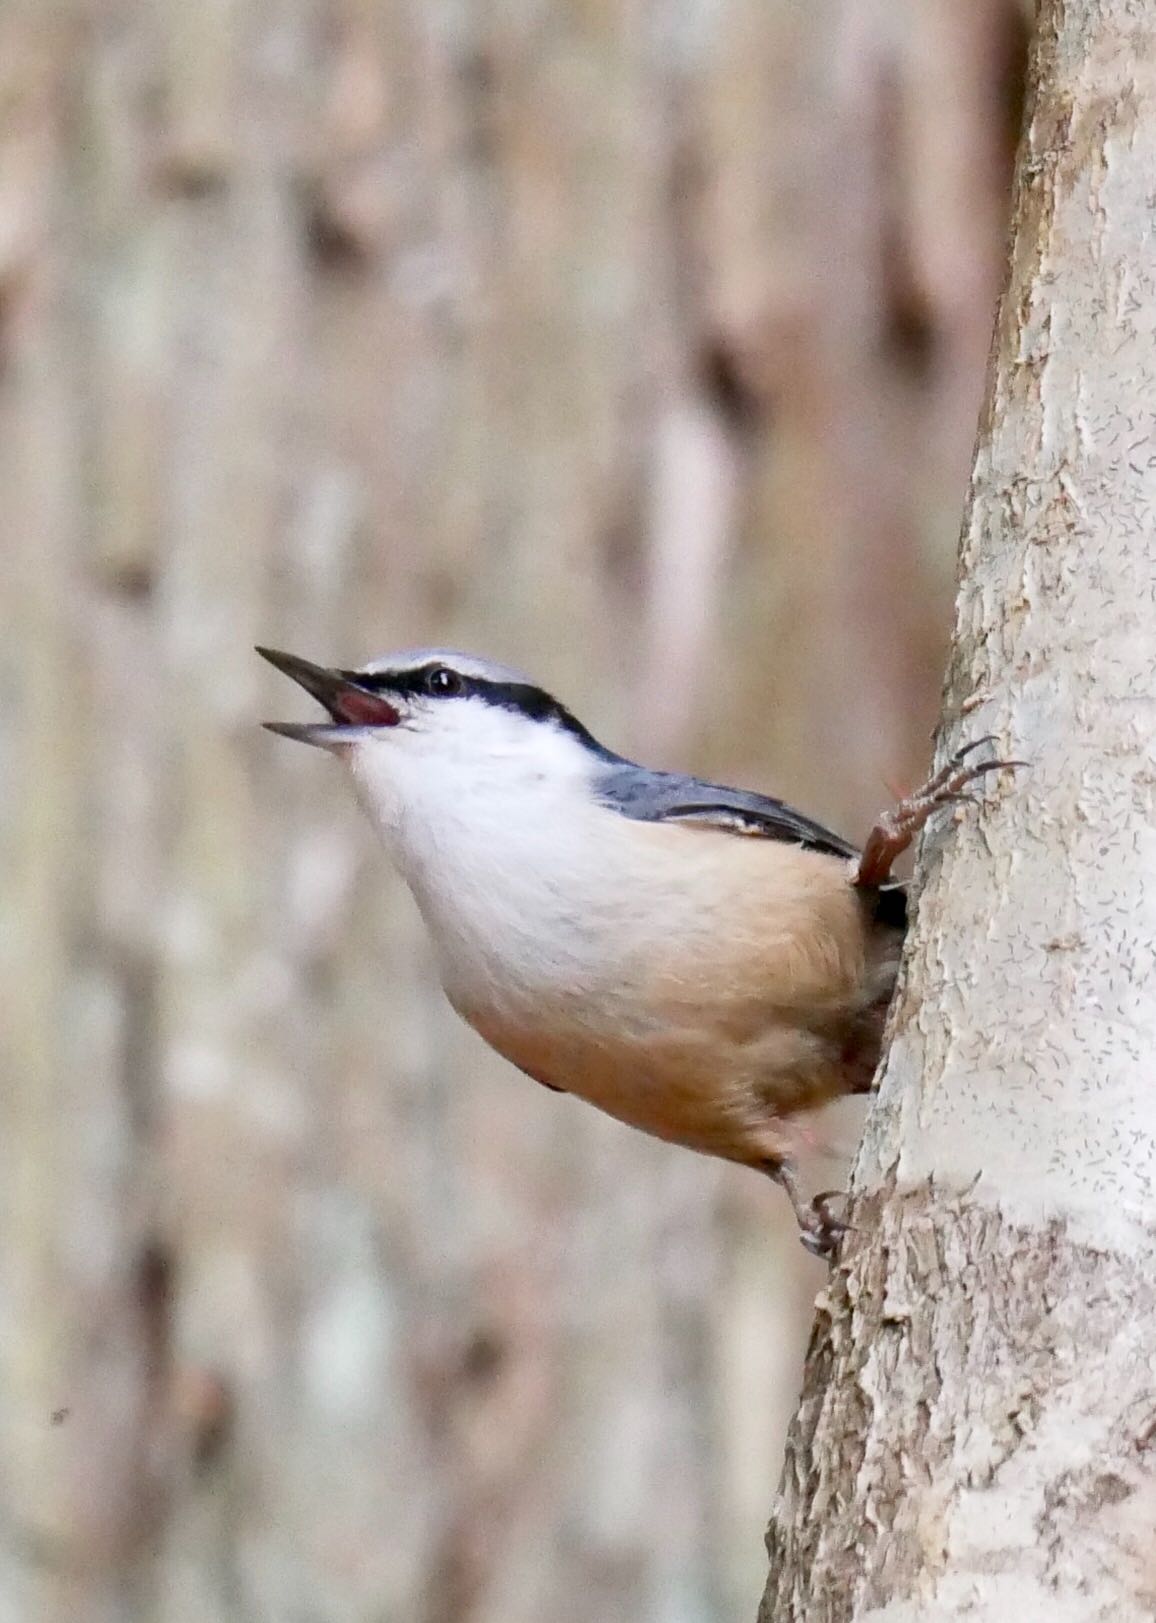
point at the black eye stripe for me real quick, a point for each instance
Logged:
(521, 697)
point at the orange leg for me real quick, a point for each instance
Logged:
(896, 829)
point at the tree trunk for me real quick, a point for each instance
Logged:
(977, 1436)
(637, 343)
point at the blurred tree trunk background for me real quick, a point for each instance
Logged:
(639, 344)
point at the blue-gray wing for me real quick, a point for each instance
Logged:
(669, 797)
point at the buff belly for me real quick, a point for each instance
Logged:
(697, 1087)
(762, 1000)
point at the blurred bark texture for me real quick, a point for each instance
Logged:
(639, 343)
(976, 1434)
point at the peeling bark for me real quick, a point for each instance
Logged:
(946, 1460)
(976, 1433)
(562, 332)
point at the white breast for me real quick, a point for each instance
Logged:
(520, 875)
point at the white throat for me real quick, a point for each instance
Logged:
(494, 827)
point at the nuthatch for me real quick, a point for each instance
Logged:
(700, 962)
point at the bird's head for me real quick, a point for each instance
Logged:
(432, 722)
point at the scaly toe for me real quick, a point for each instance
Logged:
(823, 1230)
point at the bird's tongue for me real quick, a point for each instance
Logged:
(361, 709)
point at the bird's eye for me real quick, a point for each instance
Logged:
(442, 683)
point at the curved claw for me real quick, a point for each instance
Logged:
(965, 750)
(822, 1234)
(822, 1204)
(895, 830)
(981, 767)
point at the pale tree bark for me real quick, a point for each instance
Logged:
(634, 342)
(976, 1437)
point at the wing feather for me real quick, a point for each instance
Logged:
(669, 797)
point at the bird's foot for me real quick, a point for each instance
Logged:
(820, 1228)
(896, 828)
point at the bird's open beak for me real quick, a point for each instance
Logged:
(354, 708)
